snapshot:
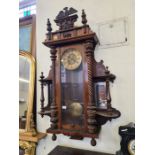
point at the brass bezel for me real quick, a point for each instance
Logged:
(129, 149)
(74, 66)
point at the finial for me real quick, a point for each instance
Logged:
(101, 61)
(107, 71)
(42, 76)
(49, 29)
(84, 20)
(66, 18)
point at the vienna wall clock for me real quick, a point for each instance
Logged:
(77, 85)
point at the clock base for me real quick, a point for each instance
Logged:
(71, 133)
(77, 135)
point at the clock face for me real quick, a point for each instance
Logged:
(131, 147)
(71, 59)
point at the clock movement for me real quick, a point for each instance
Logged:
(79, 100)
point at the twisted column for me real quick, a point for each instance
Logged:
(91, 108)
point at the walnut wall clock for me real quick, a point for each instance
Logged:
(79, 100)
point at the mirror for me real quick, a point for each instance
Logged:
(26, 90)
(24, 81)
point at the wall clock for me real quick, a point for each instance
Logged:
(77, 85)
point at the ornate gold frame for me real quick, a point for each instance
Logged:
(29, 129)
(29, 136)
(28, 147)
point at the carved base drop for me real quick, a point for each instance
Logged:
(93, 142)
(54, 137)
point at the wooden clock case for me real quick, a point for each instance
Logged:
(84, 40)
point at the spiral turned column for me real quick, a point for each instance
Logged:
(54, 117)
(91, 108)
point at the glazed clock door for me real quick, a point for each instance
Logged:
(72, 89)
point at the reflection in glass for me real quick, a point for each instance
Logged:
(24, 77)
(100, 95)
(25, 37)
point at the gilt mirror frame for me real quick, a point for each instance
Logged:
(29, 127)
(29, 21)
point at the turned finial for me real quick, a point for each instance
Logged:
(84, 20)
(107, 70)
(49, 29)
(42, 75)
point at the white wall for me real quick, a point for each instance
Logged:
(119, 59)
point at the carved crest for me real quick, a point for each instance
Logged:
(66, 18)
